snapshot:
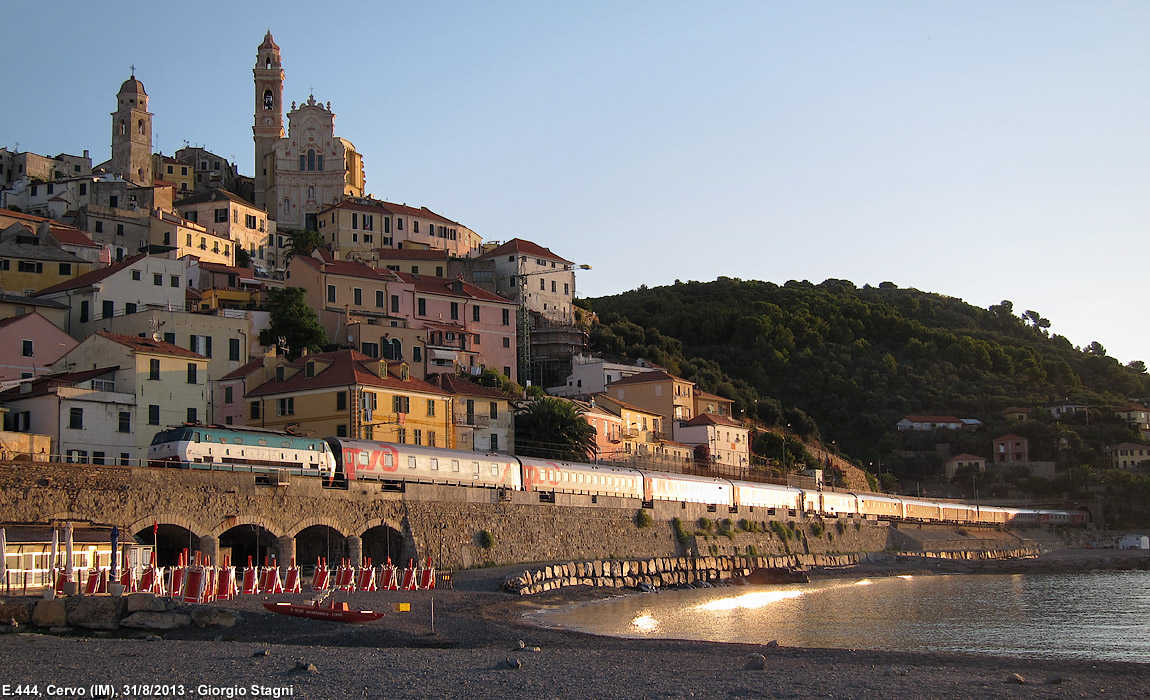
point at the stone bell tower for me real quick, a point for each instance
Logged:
(132, 134)
(268, 127)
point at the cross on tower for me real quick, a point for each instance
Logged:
(133, 71)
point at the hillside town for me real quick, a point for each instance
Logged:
(135, 292)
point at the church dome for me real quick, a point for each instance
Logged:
(132, 86)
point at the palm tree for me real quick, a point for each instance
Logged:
(551, 428)
(302, 243)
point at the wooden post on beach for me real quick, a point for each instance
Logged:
(433, 614)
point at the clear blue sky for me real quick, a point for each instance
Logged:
(985, 150)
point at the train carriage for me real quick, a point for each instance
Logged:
(920, 510)
(770, 496)
(991, 515)
(874, 506)
(572, 477)
(390, 462)
(833, 504)
(660, 486)
(227, 448)
(958, 512)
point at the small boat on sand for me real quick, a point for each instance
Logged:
(335, 612)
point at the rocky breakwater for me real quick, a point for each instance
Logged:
(138, 611)
(664, 571)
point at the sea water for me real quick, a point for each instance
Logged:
(1103, 615)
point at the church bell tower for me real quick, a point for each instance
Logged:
(268, 127)
(132, 134)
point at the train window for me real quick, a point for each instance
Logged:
(196, 436)
(238, 441)
(475, 468)
(434, 464)
(208, 437)
(387, 459)
(362, 459)
(262, 442)
(411, 463)
(455, 465)
(494, 470)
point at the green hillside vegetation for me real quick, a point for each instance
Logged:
(845, 363)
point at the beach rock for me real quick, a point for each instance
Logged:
(1055, 680)
(17, 612)
(514, 663)
(262, 653)
(50, 613)
(145, 602)
(773, 644)
(149, 620)
(95, 613)
(755, 662)
(205, 616)
(153, 638)
(1017, 679)
(305, 667)
(60, 629)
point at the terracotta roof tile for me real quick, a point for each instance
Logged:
(148, 345)
(454, 384)
(346, 368)
(518, 245)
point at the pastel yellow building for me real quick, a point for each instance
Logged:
(348, 394)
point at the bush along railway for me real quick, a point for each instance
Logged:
(340, 461)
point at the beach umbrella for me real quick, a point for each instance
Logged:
(3, 553)
(55, 551)
(68, 560)
(115, 549)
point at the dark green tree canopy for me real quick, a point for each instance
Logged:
(294, 321)
(303, 243)
(552, 428)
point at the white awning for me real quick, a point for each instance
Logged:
(441, 354)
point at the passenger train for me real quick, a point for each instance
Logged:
(341, 460)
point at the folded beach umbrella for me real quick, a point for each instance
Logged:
(3, 553)
(68, 550)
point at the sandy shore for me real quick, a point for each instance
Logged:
(478, 630)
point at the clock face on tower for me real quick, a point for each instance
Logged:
(267, 121)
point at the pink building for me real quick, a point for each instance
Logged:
(28, 344)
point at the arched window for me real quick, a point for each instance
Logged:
(302, 162)
(269, 102)
(396, 349)
(140, 126)
(123, 127)
(310, 159)
(268, 62)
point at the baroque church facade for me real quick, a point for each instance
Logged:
(307, 168)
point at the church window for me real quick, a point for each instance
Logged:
(123, 127)
(310, 159)
(302, 162)
(268, 62)
(140, 126)
(269, 102)
(319, 163)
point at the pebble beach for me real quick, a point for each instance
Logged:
(482, 648)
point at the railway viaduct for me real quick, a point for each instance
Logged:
(233, 513)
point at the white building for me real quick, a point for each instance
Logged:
(727, 440)
(134, 285)
(85, 413)
(591, 375)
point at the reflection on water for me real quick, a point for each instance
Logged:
(1098, 615)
